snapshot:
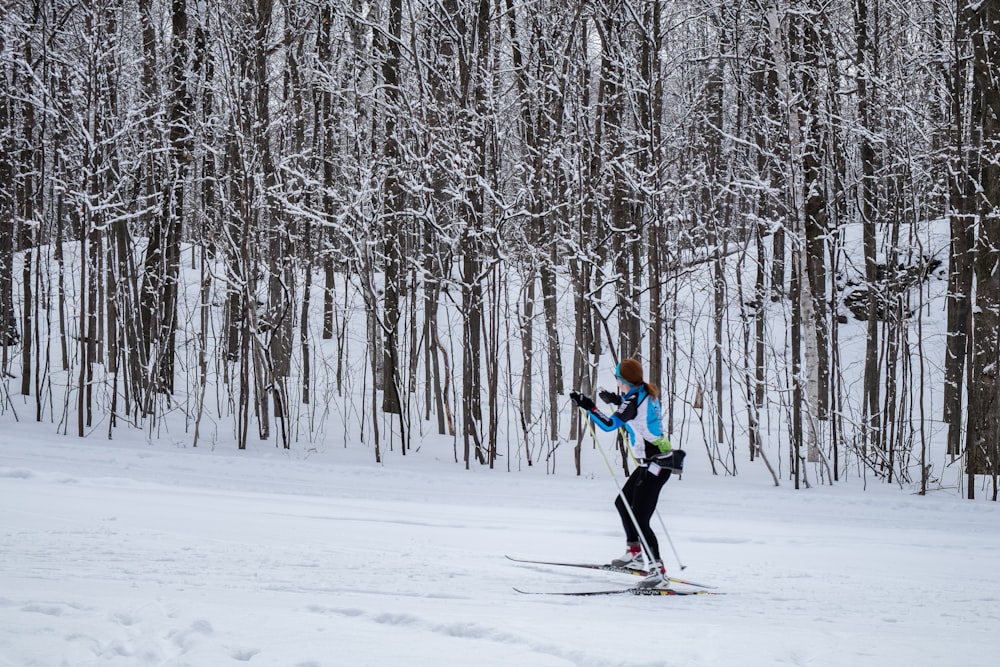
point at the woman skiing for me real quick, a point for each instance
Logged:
(638, 412)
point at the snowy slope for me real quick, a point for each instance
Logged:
(122, 553)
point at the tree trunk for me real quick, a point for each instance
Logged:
(803, 331)
(392, 212)
(864, 56)
(8, 224)
(982, 450)
(814, 233)
(961, 224)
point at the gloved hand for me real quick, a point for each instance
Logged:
(610, 397)
(584, 402)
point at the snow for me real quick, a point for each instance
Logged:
(133, 553)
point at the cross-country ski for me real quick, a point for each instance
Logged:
(622, 591)
(606, 567)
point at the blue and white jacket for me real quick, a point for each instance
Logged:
(639, 414)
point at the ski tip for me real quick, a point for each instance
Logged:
(685, 582)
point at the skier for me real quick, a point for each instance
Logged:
(638, 412)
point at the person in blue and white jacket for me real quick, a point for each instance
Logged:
(638, 412)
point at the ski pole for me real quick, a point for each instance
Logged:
(666, 534)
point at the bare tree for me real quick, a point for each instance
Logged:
(982, 22)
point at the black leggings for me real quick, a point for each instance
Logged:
(642, 489)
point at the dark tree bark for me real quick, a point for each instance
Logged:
(864, 56)
(392, 212)
(816, 226)
(8, 225)
(961, 185)
(983, 20)
(158, 303)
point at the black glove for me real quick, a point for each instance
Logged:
(584, 402)
(610, 397)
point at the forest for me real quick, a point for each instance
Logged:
(378, 221)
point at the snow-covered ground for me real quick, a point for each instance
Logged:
(130, 554)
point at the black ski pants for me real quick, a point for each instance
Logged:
(641, 490)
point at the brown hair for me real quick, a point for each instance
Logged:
(630, 370)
